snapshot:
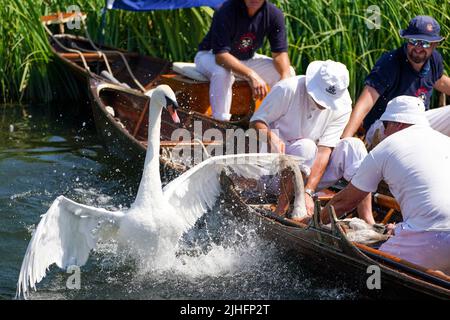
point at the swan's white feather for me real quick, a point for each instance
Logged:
(196, 190)
(64, 236)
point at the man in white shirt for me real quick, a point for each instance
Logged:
(305, 116)
(414, 160)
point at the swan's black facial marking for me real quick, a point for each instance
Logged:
(170, 102)
(172, 107)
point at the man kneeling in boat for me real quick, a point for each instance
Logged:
(414, 160)
(305, 116)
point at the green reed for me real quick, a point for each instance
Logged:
(317, 30)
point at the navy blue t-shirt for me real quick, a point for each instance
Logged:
(393, 76)
(233, 31)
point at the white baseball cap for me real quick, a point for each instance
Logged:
(327, 83)
(405, 109)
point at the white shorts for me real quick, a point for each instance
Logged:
(345, 159)
(429, 249)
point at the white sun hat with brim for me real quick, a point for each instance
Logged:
(327, 83)
(405, 109)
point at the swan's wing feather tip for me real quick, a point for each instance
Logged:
(63, 235)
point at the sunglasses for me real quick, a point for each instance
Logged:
(422, 43)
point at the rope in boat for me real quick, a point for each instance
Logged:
(203, 147)
(136, 81)
(67, 49)
(98, 51)
(100, 54)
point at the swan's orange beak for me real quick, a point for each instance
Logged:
(173, 113)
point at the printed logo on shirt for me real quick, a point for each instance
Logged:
(246, 42)
(422, 93)
(331, 90)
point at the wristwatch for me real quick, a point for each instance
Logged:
(310, 192)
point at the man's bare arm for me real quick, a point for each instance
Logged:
(343, 202)
(317, 170)
(319, 166)
(282, 64)
(365, 103)
(274, 143)
(443, 85)
(230, 62)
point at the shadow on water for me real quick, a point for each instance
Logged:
(46, 151)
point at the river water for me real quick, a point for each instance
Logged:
(46, 151)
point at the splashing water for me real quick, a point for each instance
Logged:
(219, 258)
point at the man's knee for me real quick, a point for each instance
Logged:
(221, 74)
(353, 146)
(304, 148)
(348, 156)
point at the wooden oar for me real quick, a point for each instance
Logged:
(141, 118)
(380, 199)
(92, 56)
(386, 201)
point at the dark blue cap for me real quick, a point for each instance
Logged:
(422, 28)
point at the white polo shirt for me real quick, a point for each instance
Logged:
(415, 163)
(289, 109)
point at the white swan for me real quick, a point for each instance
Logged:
(154, 222)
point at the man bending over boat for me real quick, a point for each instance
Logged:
(414, 160)
(414, 69)
(305, 116)
(238, 29)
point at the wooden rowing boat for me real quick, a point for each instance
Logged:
(87, 59)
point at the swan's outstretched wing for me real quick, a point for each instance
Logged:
(196, 190)
(65, 235)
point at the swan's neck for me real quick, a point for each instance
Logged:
(150, 190)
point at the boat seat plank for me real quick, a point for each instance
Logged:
(173, 144)
(194, 95)
(62, 17)
(90, 56)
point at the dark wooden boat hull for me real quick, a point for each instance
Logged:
(146, 69)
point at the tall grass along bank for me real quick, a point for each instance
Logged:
(355, 33)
